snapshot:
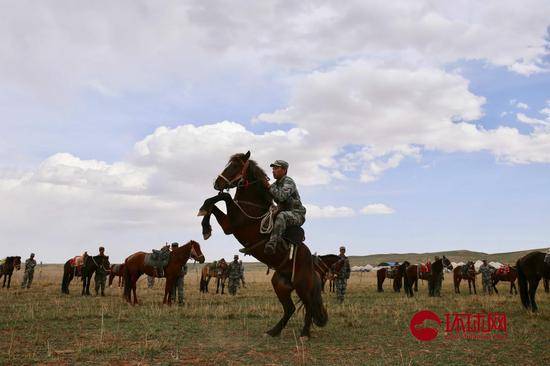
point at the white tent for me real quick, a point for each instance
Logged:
(496, 265)
(478, 264)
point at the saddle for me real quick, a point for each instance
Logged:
(158, 259)
(77, 261)
(504, 270)
(424, 268)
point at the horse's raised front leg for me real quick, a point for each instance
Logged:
(209, 208)
(283, 289)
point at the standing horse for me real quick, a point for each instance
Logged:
(395, 273)
(323, 266)
(220, 270)
(510, 276)
(134, 267)
(413, 272)
(245, 214)
(6, 268)
(71, 269)
(91, 264)
(437, 272)
(117, 270)
(531, 268)
(465, 272)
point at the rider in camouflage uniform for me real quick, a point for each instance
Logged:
(486, 273)
(29, 272)
(342, 276)
(234, 275)
(289, 207)
(100, 275)
(179, 281)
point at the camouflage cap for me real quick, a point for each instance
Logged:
(101, 249)
(342, 248)
(280, 163)
(32, 254)
(235, 256)
(175, 245)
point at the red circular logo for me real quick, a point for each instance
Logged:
(420, 332)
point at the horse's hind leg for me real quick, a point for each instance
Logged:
(283, 289)
(533, 284)
(513, 286)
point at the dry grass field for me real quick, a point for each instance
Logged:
(42, 326)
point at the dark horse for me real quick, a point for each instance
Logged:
(510, 276)
(6, 268)
(91, 264)
(243, 219)
(218, 270)
(325, 266)
(71, 269)
(117, 270)
(531, 268)
(465, 272)
(396, 273)
(134, 267)
(412, 273)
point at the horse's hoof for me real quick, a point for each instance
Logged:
(202, 212)
(206, 236)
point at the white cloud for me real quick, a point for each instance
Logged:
(327, 212)
(377, 209)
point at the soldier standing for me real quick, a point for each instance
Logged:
(100, 274)
(179, 280)
(234, 275)
(342, 276)
(486, 273)
(29, 272)
(242, 273)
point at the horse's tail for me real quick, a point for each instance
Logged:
(319, 313)
(127, 284)
(522, 282)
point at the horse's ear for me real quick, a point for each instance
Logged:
(247, 155)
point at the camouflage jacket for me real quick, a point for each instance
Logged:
(345, 271)
(286, 196)
(29, 265)
(234, 270)
(486, 272)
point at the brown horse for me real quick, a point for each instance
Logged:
(134, 267)
(413, 272)
(395, 273)
(91, 264)
(465, 272)
(509, 276)
(323, 265)
(243, 219)
(6, 268)
(219, 270)
(531, 269)
(71, 269)
(117, 270)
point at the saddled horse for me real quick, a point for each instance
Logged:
(91, 264)
(414, 272)
(71, 269)
(395, 273)
(437, 272)
(509, 274)
(465, 272)
(245, 213)
(531, 269)
(134, 267)
(219, 270)
(117, 270)
(6, 268)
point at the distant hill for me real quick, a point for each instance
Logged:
(453, 255)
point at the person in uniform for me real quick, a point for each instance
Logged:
(234, 275)
(100, 277)
(486, 273)
(342, 276)
(179, 280)
(29, 272)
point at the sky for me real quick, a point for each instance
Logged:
(409, 126)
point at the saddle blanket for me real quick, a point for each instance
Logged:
(77, 261)
(504, 270)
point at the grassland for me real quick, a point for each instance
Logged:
(42, 326)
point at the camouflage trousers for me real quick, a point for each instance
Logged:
(233, 284)
(150, 281)
(340, 284)
(487, 288)
(178, 286)
(27, 279)
(282, 221)
(100, 280)
(435, 287)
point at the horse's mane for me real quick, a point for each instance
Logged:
(253, 167)
(329, 256)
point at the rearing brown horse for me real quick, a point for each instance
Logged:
(134, 267)
(243, 220)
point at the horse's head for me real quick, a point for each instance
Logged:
(447, 263)
(233, 173)
(196, 252)
(17, 262)
(337, 267)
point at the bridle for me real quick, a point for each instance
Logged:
(193, 253)
(238, 178)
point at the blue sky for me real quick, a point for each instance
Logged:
(411, 129)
